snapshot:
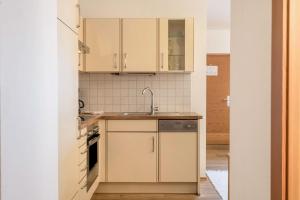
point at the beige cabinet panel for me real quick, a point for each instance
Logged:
(102, 151)
(81, 53)
(140, 45)
(102, 36)
(68, 107)
(131, 157)
(163, 44)
(69, 13)
(178, 157)
(132, 125)
(176, 45)
(189, 45)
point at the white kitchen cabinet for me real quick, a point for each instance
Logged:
(176, 45)
(102, 36)
(140, 43)
(81, 50)
(178, 157)
(132, 157)
(69, 13)
(68, 108)
(82, 165)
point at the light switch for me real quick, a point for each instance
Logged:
(212, 70)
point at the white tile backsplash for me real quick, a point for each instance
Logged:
(113, 93)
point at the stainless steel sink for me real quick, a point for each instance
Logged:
(136, 113)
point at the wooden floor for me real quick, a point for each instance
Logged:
(216, 159)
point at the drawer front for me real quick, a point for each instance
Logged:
(132, 125)
(82, 183)
(82, 154)
(82, 169)
(82, 141)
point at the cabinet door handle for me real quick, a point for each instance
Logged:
(162, 60)
(115, 60)
(79, 58)
(153, 144)
(125, 60)
(78, 8)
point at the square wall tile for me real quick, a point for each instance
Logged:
(113, 93)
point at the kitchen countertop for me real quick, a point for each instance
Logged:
(139, 116)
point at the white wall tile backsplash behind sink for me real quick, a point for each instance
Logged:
(123, 93)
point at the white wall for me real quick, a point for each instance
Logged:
(251, 99)
(218, 41)
(165, 8)
(29, 141)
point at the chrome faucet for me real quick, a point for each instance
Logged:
(153, 108)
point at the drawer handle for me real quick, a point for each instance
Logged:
(84, 169)
(84, 152)
(85, 185)
(82, 179)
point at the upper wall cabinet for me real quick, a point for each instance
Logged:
(102, 36)
(69, 13)
(139, 45)
(176, 39)
(139, 41)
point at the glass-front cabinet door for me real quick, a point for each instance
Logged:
(176, 45)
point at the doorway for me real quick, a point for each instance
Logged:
(217, 121)
(218, 99)
(285, 100)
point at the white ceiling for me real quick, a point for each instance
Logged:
(218, 14)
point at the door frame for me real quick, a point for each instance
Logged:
(283, 99)
(279, 99)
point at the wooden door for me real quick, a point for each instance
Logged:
(218, 100)
(294, 103)
(140, 45)
(102, 36)
(131, 157)
(178, 157)
(68, 111)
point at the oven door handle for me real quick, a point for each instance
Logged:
(93, 141)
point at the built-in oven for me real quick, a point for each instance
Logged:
(92, 155)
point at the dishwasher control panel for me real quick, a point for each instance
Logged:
(178, 125)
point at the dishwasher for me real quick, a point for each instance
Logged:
(178, 150)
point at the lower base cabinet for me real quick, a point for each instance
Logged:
(137, 153)
(132, 157)
(178, 157)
